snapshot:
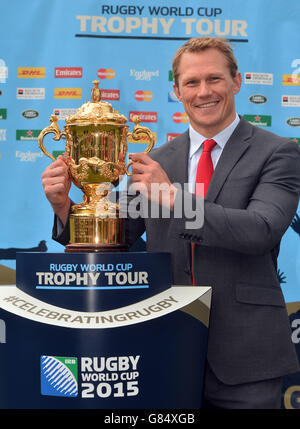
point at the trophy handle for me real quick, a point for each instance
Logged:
(53, 128)
(137, 134)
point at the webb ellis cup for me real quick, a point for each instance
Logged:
(95, 150)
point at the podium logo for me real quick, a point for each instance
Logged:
(106, 73)
(143, 95)
(59, 376)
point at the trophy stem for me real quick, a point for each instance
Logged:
(95, 225)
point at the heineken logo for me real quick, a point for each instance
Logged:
(296, 140)
(260, 120)
(258, 99)
(3, 113)
(27, 134)
(293, 122)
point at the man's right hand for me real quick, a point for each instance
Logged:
(57, 182)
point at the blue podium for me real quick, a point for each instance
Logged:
(102, 331)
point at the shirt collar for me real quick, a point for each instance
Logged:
(196, 139)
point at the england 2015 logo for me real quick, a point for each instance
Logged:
(59, 376)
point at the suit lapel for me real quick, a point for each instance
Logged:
(179, 157)
(234, 149)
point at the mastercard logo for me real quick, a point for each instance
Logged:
(143, 96)
(106, 73)
(180, 118)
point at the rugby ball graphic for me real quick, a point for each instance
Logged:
(57, 379)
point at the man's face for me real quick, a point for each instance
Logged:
(207, 89)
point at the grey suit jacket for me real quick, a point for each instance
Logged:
(251, 201)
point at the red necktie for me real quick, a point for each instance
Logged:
(205, 170)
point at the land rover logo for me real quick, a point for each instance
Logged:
(30, 114)
(293, 122)
(258, 99)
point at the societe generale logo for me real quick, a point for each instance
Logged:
(180, 118)
(144, 116)
(31, 72)
(106, 73)
(143, 95)
(67, 92)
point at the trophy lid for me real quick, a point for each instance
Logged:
(96, 111)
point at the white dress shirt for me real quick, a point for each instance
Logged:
(196, 148)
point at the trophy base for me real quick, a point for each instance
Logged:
(89, 233)
(95, 248)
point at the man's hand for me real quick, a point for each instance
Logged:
(56, 182)
(151, 180)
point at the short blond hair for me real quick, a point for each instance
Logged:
(198, 44)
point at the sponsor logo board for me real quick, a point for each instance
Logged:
(291, 79)
(63, 113)
(27, 134)
(290, 100)
(260, 120)
(106, 73)
(258, 99)
(144, 116)
(146, 75)
(3, 134)
(171, 136)
(110, 94)
(28, 156)
(3, 113)
(32, 72)
(143, 95)
(68, 72)
(67, 93)
(30, 93)
(258, 78)
(180, 118)
(293, 122)
(30, 114)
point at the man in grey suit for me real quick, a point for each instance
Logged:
(251, 199)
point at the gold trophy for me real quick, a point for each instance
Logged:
(96, 146)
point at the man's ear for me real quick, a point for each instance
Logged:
(177, 92)
(237, 82)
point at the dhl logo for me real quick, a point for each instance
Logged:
(67, 92)
(143, 138)
(32, 72)
(106, 73)
(143, 95)
(291, 79)
(180, 118)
